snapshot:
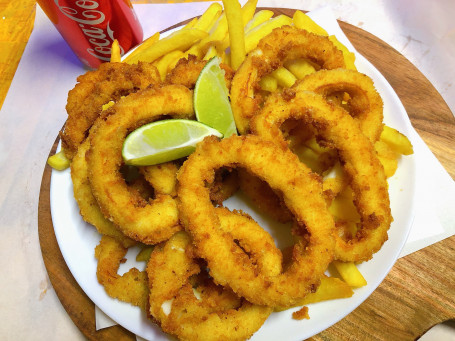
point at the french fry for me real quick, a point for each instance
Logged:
(388, 157)
(227, 59)
(248, 11)
(216, 27)
(236, 32)
(397, 141)
(284, 77)
(191, 23)
(173, 62)
(383, 149)
(58, 161)
(313, 144)
(300, 68)
(133, 57)
(219, 29)
(144, 254)
(216, 36)
(390, 165)
(165, 63)
(350, 274)
(208, 18)
(335, 181)
(349, 228)
(195, 50)
(247, 14)
(107, 105)
(179, 40)
(268, 83)
(331, 288)
(343, 208)
(309, 157)
(259, 18)
(253, 37)
(211, 52)
(304, 22)
(116, 56)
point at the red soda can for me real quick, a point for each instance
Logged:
(90, 26)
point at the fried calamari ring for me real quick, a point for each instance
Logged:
(96, 88)
(132, 286)
(187, 70)
(273, 51)
(301, 191)
(198, 309)
(364, 103)
(152, 221)
(88, 206)
(360, 162)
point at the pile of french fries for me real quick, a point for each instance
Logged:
(230, 34)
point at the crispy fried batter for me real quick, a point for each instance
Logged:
(96, 88)
(132, 286)
(187, 71)
(197, 308)
(88, 207)
(147, 221)
(302, 193)
(364, 102)
(283, 44)
(360, 162)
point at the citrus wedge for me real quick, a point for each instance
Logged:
(211, 100)
(163, 141)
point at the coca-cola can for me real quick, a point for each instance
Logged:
(90, 26)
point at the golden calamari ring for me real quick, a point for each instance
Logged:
(364, 103)
(273, 51)
(132, 286)
(360, 162)
(88, 206)
(301, 191)
(151, 221)
(188, 304)
(94, 89)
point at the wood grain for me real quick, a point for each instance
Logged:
(418, 293)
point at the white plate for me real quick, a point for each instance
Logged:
(77, 241)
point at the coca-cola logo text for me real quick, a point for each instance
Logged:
(86, 14)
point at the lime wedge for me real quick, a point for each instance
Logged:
(211, 100)
(163, 141)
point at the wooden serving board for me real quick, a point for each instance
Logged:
(417, 294)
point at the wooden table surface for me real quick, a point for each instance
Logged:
(428, 272)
